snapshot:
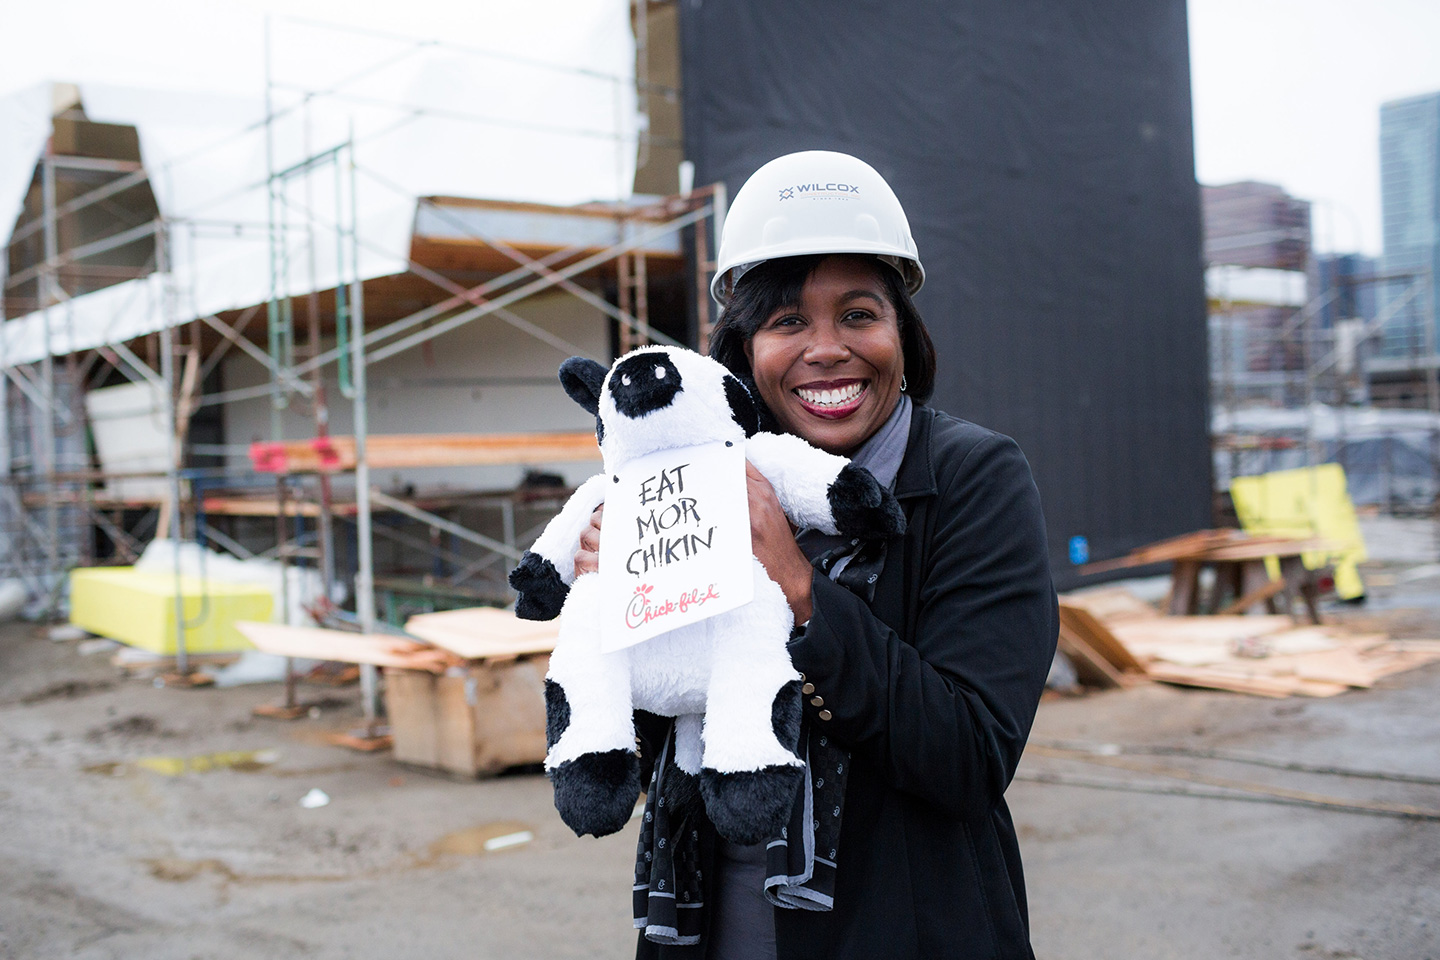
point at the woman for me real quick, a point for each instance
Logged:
(923, 658)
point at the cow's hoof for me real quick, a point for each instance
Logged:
(595, 793)
(751, 805)
(541, 591)
(862, 507)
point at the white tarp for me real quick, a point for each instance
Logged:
(1391, 457)
(24, 128)
(552, 120)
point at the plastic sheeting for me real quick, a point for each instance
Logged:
(1391, 457)
(426, 120)
(1043, 153)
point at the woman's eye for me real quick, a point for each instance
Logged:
(859, 315)
(786, 321)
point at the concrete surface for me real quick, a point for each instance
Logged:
(100, 858)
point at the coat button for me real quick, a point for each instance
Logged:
(817, 701)
(802, 676)
(808, 689)
(825, 714)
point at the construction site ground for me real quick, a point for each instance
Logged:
(1128, 854)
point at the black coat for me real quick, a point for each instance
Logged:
(932, 688)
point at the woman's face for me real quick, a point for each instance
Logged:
(830, 366)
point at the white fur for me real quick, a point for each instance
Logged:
(562, 534)
(801, 475)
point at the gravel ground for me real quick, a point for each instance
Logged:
(103, 857)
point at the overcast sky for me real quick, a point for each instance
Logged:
(1289, 91)
(1286, 91)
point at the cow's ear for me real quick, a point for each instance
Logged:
(582, 378)
(742, 406)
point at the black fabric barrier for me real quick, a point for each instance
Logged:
(1043, 152)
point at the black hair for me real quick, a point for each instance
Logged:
(778, 283)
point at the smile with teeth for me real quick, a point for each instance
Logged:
(838, 397)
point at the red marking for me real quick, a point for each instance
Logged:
(329, 456)
(268, 457)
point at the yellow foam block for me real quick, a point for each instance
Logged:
(1304, 503)
(138, 608)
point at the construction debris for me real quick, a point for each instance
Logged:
(1115, 642)
(472, 703)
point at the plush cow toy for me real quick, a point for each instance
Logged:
(727, 680)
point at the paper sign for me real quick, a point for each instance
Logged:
(675, 543)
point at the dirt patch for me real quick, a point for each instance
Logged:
(135, 725)
(66, 690)
(178, 870)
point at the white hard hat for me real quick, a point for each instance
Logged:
(815, 201)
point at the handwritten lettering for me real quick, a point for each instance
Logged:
(668, 550)
(669, 482)
(681, 511)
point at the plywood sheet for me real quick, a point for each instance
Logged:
(1100, 638)
(317, 643)
(476, 633)
(1111, 604)
(1216, 629)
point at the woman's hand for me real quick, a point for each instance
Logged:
(587, 558)
(772, 539)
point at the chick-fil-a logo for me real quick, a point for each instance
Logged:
(642, 609)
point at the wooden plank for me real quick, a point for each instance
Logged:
(476, 633)
(508, 713)
(1335, 666)
(1258, 548)
(1099, 638)
(1201, 629)
(485, 720)
(1215, 679)
(258, 507)
(316, 643)
(1091, 668)
(1110, 603)
(385, 451)
(1258, 595)
(1184, 588)
(455, 734)
(1391, 661)
(1184, 545)
(410, 708)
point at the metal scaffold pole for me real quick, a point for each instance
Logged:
(365, 574)
(167, 373)
(48, 297)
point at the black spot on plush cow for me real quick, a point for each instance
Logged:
(727, 680)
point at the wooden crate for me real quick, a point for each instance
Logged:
(473, 720)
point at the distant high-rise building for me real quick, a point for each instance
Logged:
(1251, 224)
(1410, 203)
(1257, 251)
(1350, 276)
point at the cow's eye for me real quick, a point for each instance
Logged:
(625, 379)
(659, 373)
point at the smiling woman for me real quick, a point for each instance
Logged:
(830, 343)
(922, 656)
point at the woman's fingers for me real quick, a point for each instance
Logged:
(587, 558)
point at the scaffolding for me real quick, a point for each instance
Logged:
(61, 508)
(1289, 391)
